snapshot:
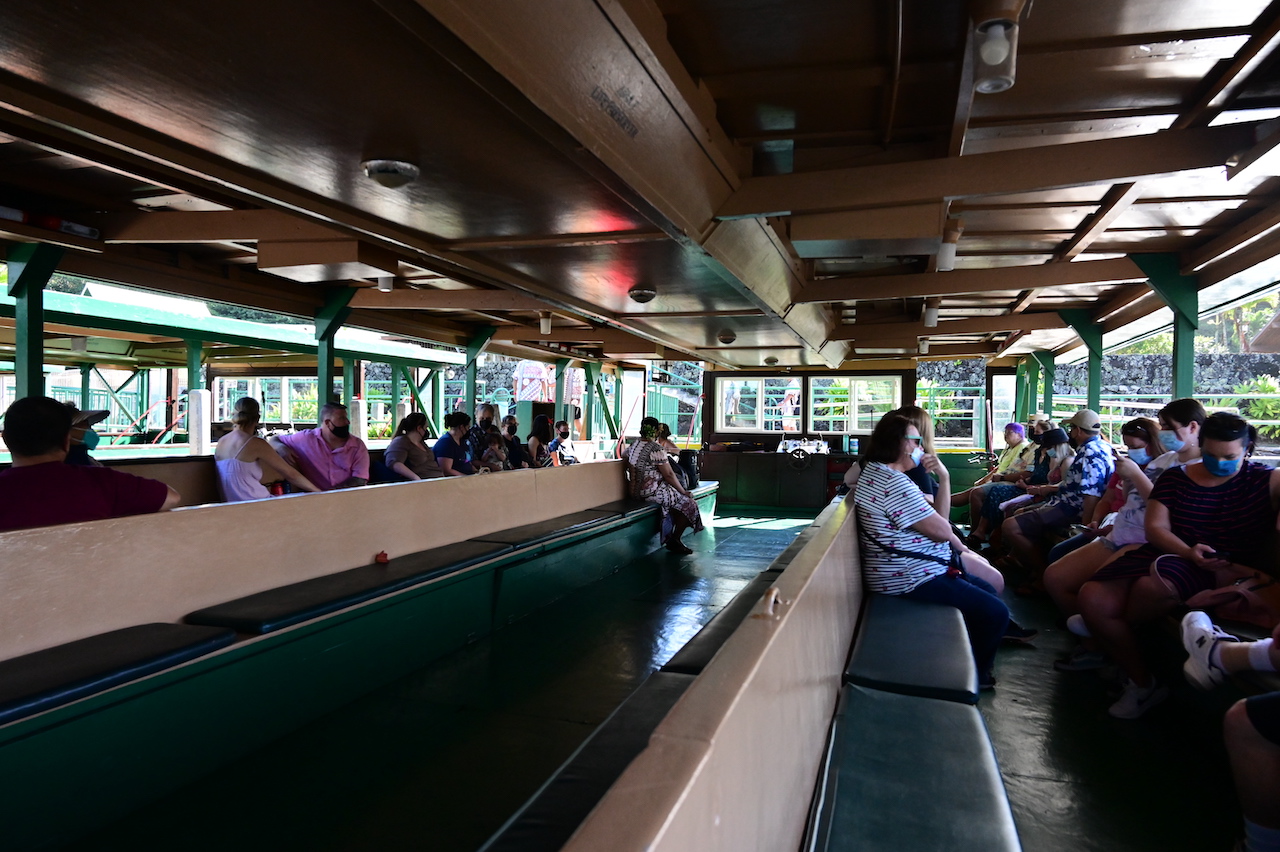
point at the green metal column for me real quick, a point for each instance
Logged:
(436, 412)
(30, 267)
(477, 344)
(562, 372)
(1182, 294)
(1091, 336)
(589, 400)
(348, 381)
(1021, 410)
(329, 318)
(86, 387)
(1045, 360)
(1033, 384)
(617, 400)
(195, 349)
(395, 395)
(144, 399)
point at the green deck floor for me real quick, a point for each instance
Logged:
(440, 759)
(1081, 781)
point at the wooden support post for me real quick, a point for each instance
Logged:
(1181, 293)
(474, 347)
(329, 318)
(31, 265)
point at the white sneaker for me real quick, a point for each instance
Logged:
(1137, 700)
(1077, 626)
(1199, 636)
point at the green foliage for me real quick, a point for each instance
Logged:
(304, 406)
(1160, 344)
(383, 431)
(218, 309)
(933, 400)
(1258, 408)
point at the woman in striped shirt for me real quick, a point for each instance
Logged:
(909, 549)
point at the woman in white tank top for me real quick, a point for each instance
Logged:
(244, 460)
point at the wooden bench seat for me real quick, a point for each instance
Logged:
(552, 528)
(56, 676)
(285, 606)
(913, 648)
(911, 773)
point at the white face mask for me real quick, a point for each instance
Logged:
(916, 455)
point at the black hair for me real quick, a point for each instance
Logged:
(412, 420)
(1184, 412)
(1225, 426)
(885, 443)
(456, 419)
(35, 425)
(541, 429)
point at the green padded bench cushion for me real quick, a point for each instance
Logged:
(911, 773)
(531, 534)
(278, 608)
(546, 821)
(55, 676)
(913, 648)
(629, 507)
(696, 654)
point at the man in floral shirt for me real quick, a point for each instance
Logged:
(1070, 501)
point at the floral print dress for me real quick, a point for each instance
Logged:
(647, 483)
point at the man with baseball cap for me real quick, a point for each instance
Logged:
(1071, 501)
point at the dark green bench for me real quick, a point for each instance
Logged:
(293, 604)
(554, 813)
(910, 773)
(913, 648)
(529, 535)
(34, 683)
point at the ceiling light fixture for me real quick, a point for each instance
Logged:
(643, 293)
(385, 285)
(544, 322)
(771, 361)
(950, 242)
(390, 173)
(931, 307)
(726, 336)
(995, 38)
(923, 347)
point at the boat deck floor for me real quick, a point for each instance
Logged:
(441, 758)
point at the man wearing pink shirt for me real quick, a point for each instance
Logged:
(329, 455)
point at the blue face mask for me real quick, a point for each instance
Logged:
(1169, 440)
(1219, 467)
(916, 455)
(90, 439)
(1139, 456)
(1053, 454)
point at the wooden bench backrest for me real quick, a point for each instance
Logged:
(58, 584)
(731, 766)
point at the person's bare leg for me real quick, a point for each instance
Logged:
(1104, 604)
(1063, 579)
(1023, 548)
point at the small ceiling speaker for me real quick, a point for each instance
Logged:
(643, 293)
(390, 173)
(771, 361)
(726, 336)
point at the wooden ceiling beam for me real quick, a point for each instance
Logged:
(604, 238)
(213, 226)
(971, 281)
(993, 173)
(1117, 200)
(443, 300)
(1232, 240)
(1231, 78)
(890, 331)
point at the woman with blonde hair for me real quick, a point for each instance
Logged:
(245, 461)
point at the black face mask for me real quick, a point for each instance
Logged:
(343, 432)
(1036, 438)
(512, 427)
(486, 423)
(564, 434)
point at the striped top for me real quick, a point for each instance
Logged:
(1235, 517)
(888, 503)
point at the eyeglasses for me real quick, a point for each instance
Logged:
(916, 438)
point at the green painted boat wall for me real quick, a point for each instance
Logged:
(75, 768)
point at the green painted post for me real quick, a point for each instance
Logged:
(611, 421)
(31, 265)
(329, 318)
(1033, 384)
(144, 399)
(1045, 360)
(1020, 408)
(348, 381)
(195, 349)
(436, 415)
(86, 387)
(1182, 294)
(562, 373)
(590, 401)
(1091, 336)
(395, 394)
(477, 344)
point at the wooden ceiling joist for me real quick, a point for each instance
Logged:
(898, 331)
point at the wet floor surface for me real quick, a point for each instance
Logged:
(438, 760)
(1081, 780)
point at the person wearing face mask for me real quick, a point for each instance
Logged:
(562, 444)
(450, 449)
(329, 455)
(516, 455)
(477, 440)
(1074, 498)
(1048, 442)
(408, 455)
(83, 439)
(1206, 524)
(908, 549)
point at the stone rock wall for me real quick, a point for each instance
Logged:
(1136, 374)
